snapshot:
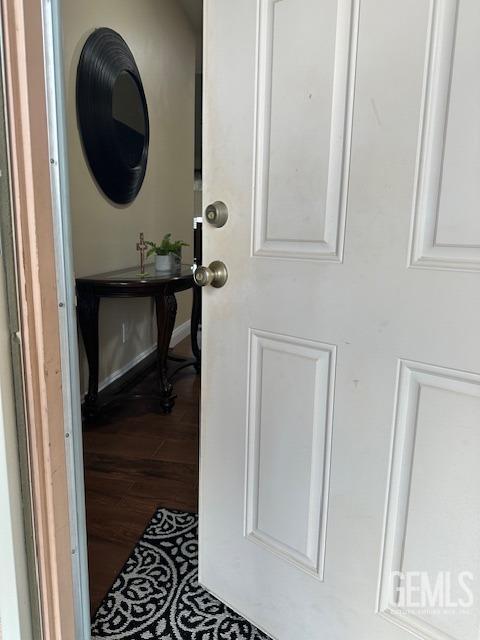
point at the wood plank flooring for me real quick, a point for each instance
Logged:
(135, 461)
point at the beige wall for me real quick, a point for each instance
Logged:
(104, 235)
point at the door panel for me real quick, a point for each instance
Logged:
(435, 457)
(320, 335)
(447, 235)
(291, 384)
(303, 126)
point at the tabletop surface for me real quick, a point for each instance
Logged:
(132, 275)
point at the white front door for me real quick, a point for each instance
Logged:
(340, 435)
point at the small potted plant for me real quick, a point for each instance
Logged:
(168, 254)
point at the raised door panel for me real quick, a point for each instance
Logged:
(431, 563)
(306, 67)
(289, 433)
(446, 229)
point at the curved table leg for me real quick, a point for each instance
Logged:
(88, 306)
(195, 322)
(166, 308)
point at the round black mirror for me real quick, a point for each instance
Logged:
(112, 115)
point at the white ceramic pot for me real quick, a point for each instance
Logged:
(165, 264)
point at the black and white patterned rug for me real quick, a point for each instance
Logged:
(157, 595)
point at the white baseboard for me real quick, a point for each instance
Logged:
(179, 333)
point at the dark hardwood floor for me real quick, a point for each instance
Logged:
(135, 461)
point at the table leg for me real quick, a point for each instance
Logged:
(194, 324)
(166, 308)
(88, 307)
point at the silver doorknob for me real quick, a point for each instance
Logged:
(215, 274)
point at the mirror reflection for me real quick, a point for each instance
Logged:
(129, 118)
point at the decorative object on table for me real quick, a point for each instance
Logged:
(142, 246)
(157, 594)
(112, 115)
(168, 254)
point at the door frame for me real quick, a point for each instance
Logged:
(18, 596)
(33, 72)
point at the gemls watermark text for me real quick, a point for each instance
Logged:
(421, 592)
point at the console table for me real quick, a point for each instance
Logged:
(130, 283)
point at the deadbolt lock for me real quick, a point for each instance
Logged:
(215, 274)
(216, 214)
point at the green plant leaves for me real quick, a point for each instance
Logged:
(166, 246)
